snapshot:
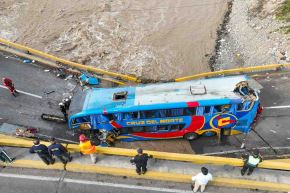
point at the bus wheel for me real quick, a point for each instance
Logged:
(190, 136)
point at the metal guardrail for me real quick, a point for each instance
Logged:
(66, 62)
(197, 159)
(234, 71)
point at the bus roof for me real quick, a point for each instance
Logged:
(201, 92)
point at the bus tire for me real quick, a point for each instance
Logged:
(190, 136)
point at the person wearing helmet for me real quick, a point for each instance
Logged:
(8, 83)
(251, 161)
(63, 110)
(66, 102)
(87, 148)
(140, 160)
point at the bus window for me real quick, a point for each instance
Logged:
(137, 129)
(199, 111)
(150, 114)
(141, 115)
(130, 115)
(176, 112)
(80, 120)
(226, 108)
(245, 106)
(176, 127)
(124, 130)
(207, 109)
(127, 116)
(217, 108)
(161, 113)
(150, 128)
(190, 111)
(163, 128)
(118, 116)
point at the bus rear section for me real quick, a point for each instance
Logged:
(169, 110)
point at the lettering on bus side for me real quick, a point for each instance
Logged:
(154, 121)
(135, 123)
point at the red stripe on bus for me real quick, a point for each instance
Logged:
(115, 125)
(192, 104)
(197, 123)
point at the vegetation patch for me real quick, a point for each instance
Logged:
(283, 13)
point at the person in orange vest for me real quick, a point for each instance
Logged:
(87, 148)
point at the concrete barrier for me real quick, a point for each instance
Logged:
(67, 62)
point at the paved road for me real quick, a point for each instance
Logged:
(13, 180)
(26, 109)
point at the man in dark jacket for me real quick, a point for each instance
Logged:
(59, 151)
(63, 110)
(141, 161)
(42, 152)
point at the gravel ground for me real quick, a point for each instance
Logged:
(252, 36)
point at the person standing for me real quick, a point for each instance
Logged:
(5, 157)
(63, 110)
(201, 179)
(8, 83)
(251, 161)
(59, 151)
(141, 160)
(87, 148)
(67, 102)
(42, 152)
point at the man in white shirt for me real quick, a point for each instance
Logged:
(201, 179)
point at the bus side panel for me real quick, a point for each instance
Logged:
(192, 124)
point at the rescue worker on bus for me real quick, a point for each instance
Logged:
(251, 161)
(87, 148)
(141, 161)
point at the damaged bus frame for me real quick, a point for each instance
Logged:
(222, 105)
